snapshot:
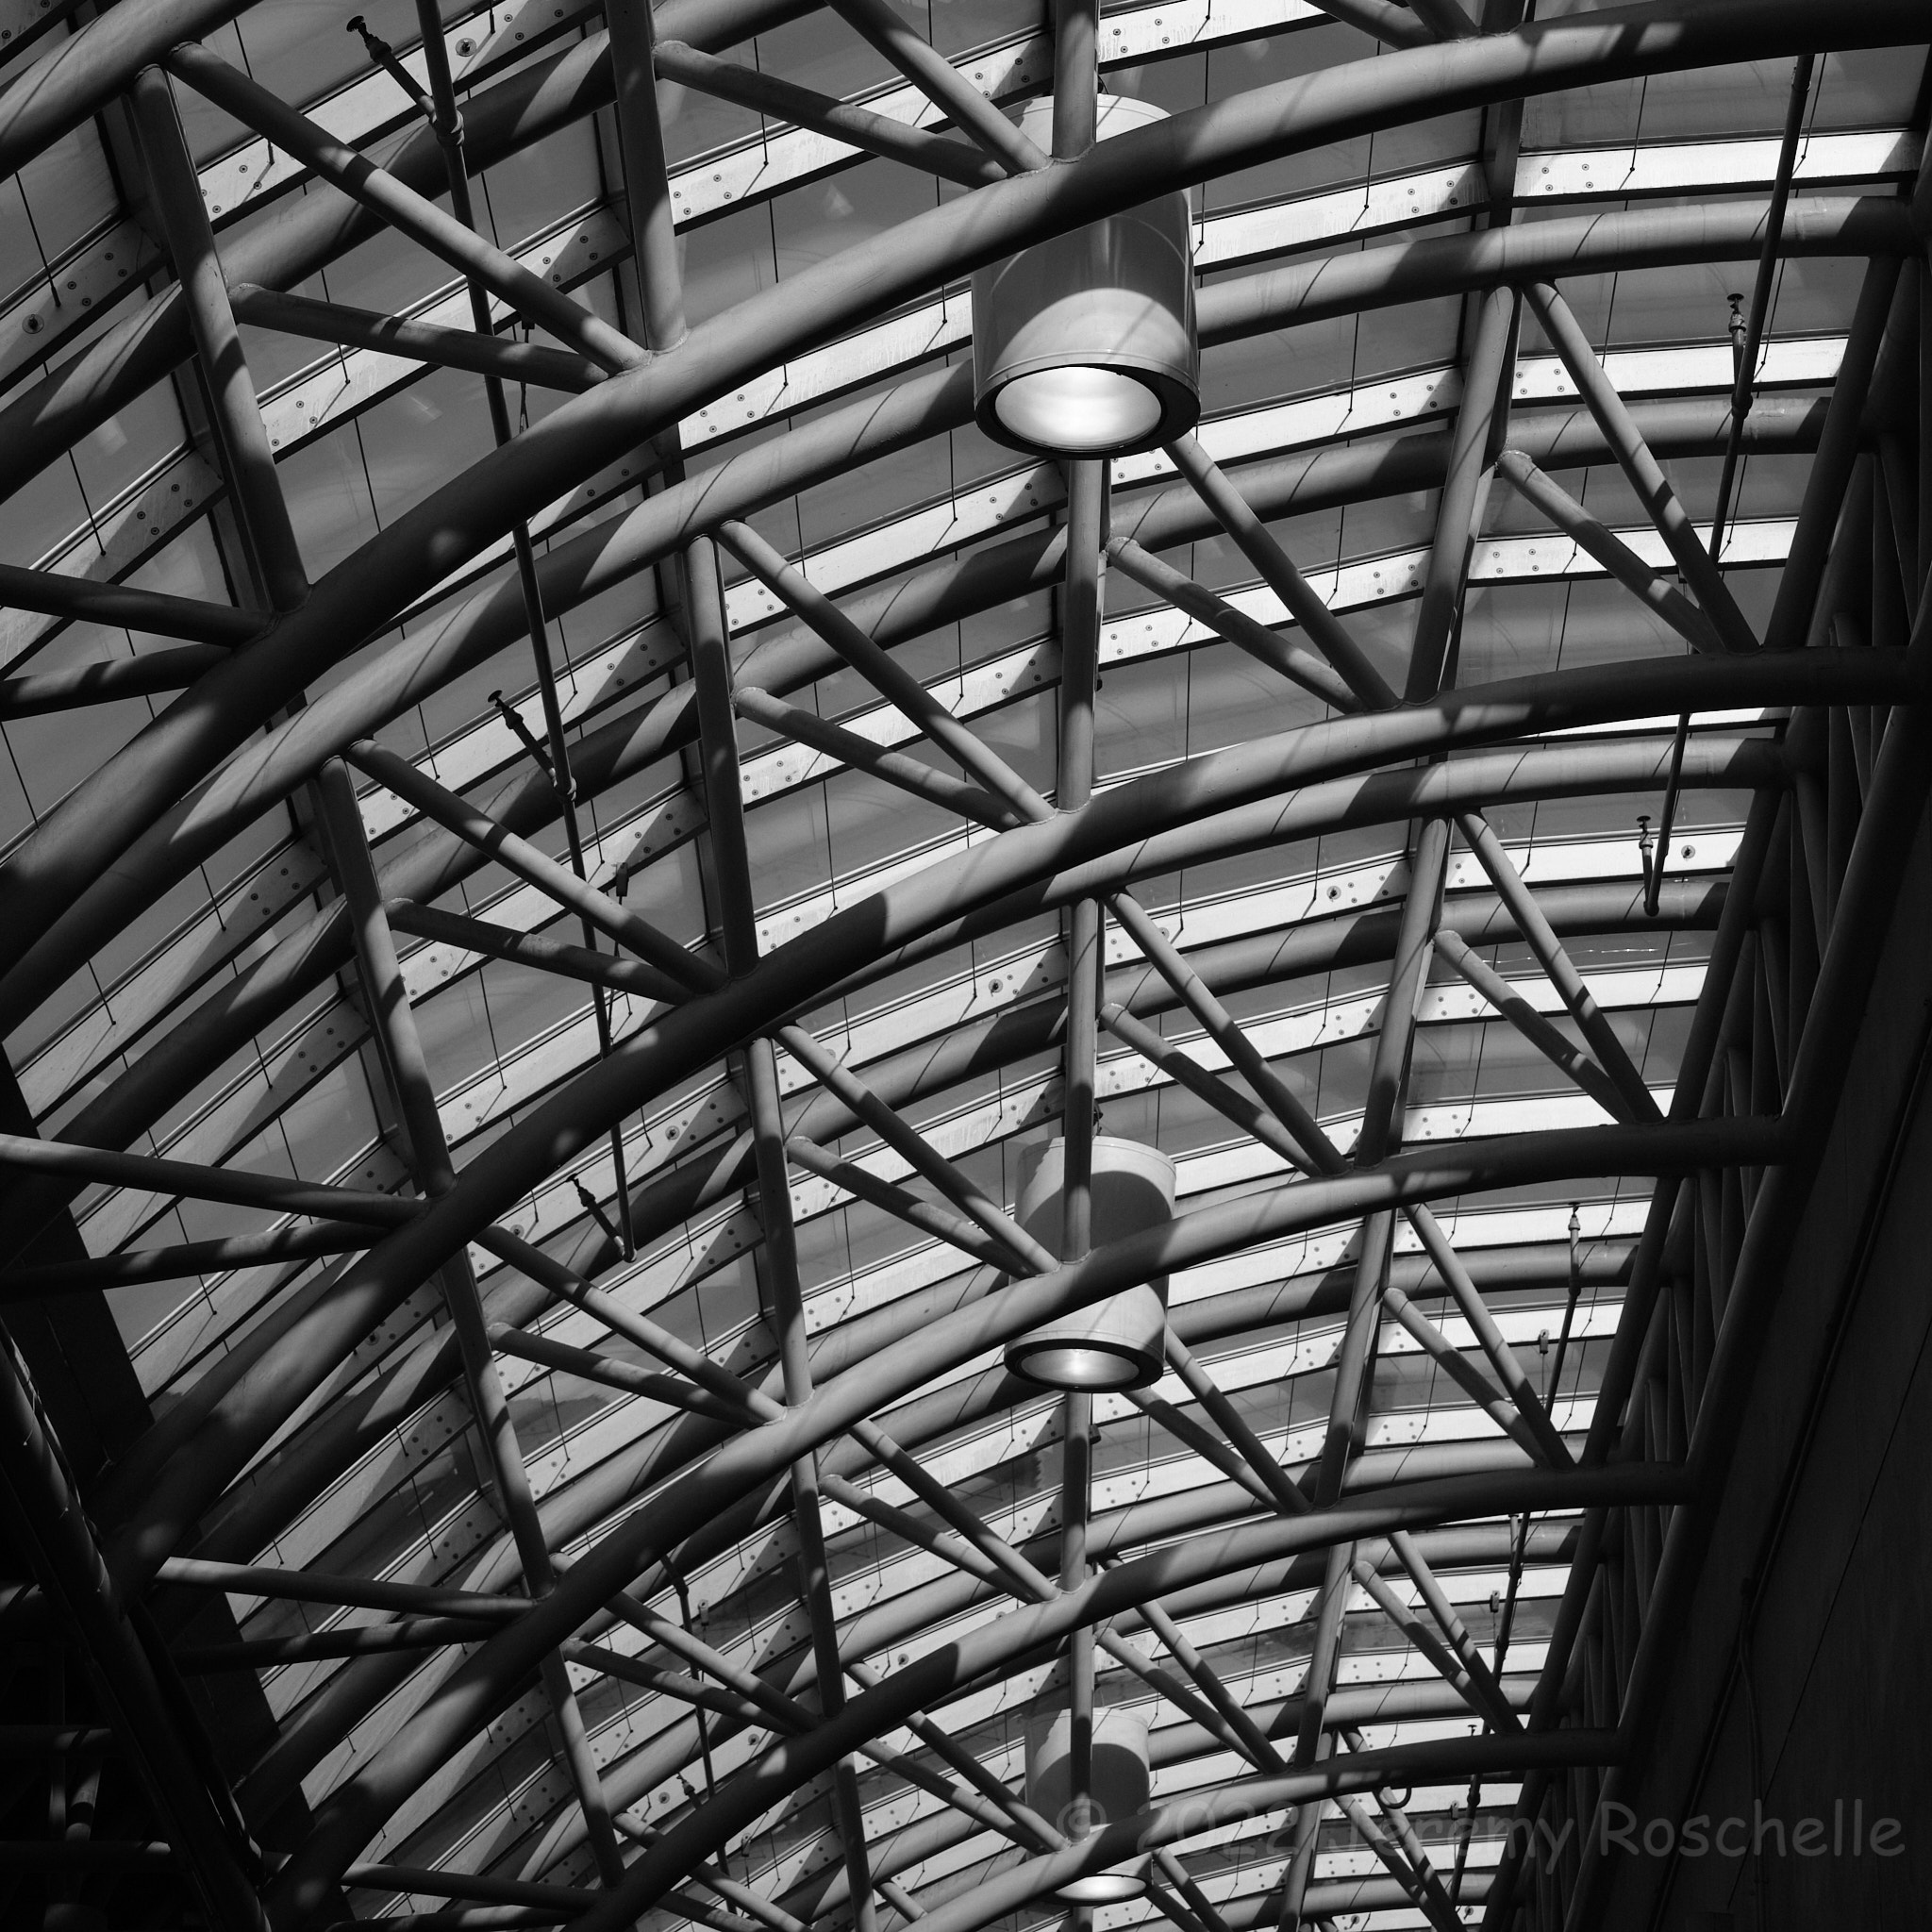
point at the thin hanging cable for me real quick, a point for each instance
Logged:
(438, 104)
(1743, 393)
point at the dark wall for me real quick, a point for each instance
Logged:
(1802, 1684)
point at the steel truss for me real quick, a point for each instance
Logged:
(845, 1757)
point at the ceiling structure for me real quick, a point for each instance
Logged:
(571, 822)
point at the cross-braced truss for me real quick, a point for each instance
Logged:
(568, 835)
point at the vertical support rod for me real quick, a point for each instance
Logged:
(407, 1070)
(704, 603)
(1465, 492)
(1079, 681)
(1745, 390)
(646, 181)
(1076, 1486)
(1086, 489)
(1380, 1125)
(1076, 76)
(252, 485)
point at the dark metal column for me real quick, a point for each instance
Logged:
(47, 1519)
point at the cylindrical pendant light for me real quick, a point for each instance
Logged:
(1121, 1788)
(1116, 1344)
(1085, 345)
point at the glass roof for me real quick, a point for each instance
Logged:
(1355, 953)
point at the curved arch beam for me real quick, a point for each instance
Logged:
(267, 770)
(101, 818)
(355, 1811)
(797, 976)
(1379, 798)
(300, 1468)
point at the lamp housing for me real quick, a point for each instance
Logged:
(1119, 1343)
(1085, 345)
(1120, 1789)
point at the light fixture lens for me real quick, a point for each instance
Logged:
(1102, 1888)
(1070, 1365)
(1079, 411)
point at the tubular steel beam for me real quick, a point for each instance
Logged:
(942, 83)
(593, 1367)
(533, 949)
(862, 755)
(1186, 1072)
(423, 341)
(239, 1187)
(1380, 1130)
(1551, 955)
(1076, 76)
(908, 1208)
(401, 207)
(106, 682)
(1445, 19)
(131, 1265)
(1645, 475)
(1548, 1040)
(1325, 631)
(85, 600)
(316, 1586)
(560, 883)
(840, 1080)
(879, 669)
(1244, 632)
(1476, 1386)
(1080, 929)
(1663, 598)
(770, 94)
